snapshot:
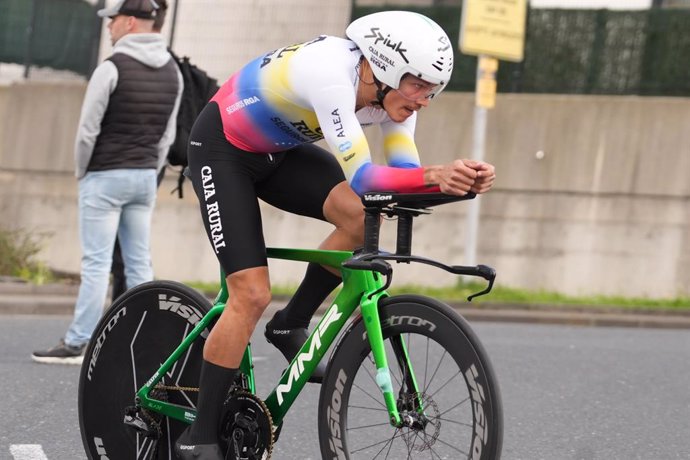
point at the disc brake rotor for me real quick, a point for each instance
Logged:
(424, 425)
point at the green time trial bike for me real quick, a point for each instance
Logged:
(408, 378)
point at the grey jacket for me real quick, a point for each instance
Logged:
(148, 48)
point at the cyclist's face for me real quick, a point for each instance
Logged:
(414, 88)
(412, 94)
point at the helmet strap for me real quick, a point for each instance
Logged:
(380, 90)
(380, 93)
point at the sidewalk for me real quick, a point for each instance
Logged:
(17, 298)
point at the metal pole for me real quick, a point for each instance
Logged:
(478, 148)
(485, 99)
(172, 26)
(29, 39)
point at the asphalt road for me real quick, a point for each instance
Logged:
(569, 393)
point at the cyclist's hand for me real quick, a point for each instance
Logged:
(455, 178)
(486, 175)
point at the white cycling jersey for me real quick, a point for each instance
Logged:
(306, 92)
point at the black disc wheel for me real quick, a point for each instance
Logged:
(134, 337)
(453, 411)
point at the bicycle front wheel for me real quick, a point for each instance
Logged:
(134, 337)
(443, 381)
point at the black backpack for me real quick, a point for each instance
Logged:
(199, 87)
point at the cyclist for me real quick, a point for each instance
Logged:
(255, 140)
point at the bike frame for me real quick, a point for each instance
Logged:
(361, 288)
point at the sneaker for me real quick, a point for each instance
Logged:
(289, 342)
(60, 354)
(185, 450)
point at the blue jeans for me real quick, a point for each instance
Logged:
(116, 202)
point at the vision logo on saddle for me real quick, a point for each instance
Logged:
(377, 197)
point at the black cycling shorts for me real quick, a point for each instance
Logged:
(228, 181)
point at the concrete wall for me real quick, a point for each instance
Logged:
(605, 210)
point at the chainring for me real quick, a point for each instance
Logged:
(246, 431)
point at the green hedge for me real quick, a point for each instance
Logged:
(583, 51)
(566, 51)
(65, 34)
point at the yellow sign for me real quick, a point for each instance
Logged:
(494, 27)
(485, 96)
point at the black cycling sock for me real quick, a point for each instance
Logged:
(214, 384)
(315, 287)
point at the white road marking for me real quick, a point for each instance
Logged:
(27, 452)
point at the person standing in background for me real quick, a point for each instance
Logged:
(127, 124)
(117, 270)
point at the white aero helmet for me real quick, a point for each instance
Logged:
(400, 42)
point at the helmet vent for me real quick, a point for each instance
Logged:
(438, 65)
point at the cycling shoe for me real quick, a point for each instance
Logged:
(185, 450)
(289, 341)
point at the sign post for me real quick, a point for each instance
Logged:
(490, 29)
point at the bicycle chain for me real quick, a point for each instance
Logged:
(160, 386)
(150, 418)
(152, 422)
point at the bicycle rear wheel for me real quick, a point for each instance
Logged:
(134, 337)
(456, 412)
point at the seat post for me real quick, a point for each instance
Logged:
(404, 242)
(372, 227)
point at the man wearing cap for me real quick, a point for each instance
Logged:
(126, 127)
(118, 283)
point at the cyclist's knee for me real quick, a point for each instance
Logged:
(355, 228)
(344, 209)
(352, 223)
(252, 300)
(250, 291)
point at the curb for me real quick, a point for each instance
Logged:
(58, 299)
(577, 318)
(20, 288)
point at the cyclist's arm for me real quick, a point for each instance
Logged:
(452, 178)
(100, 87)
(398, 143)
(335, 108)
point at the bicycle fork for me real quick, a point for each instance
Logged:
(372, 323)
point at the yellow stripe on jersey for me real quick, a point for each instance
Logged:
(276, 88)
(399, 148)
